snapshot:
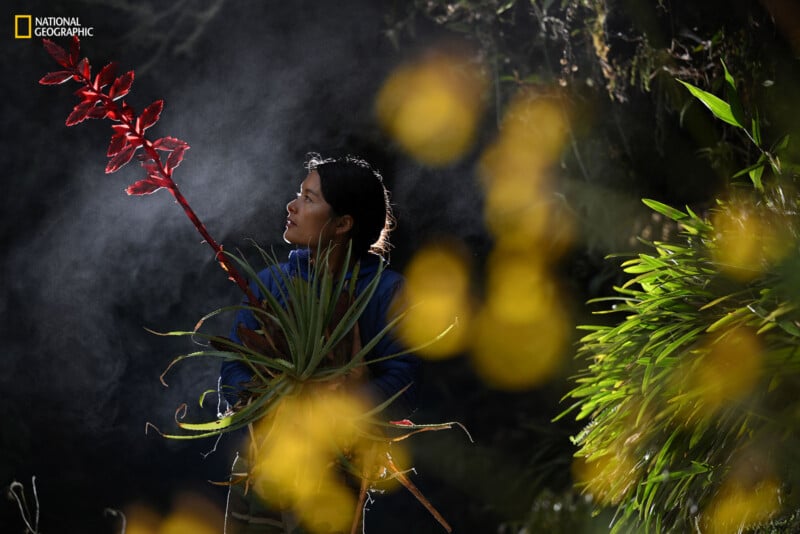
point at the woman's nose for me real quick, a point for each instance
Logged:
(290, 206)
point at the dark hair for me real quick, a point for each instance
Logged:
(352, 187)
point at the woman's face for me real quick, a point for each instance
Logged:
(310, 219)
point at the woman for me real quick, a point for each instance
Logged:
(340, 200)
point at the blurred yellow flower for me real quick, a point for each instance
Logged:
(436, 297)
(607, 478)
(739, 506)
(296, 460)
(431, 107)
(749, 240)
(190, 514)
(725, 368)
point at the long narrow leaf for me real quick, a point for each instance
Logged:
(717, 106)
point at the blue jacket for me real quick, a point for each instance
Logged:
(387, 377)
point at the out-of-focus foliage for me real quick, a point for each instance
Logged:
(633, 131)
(618, 47)
(566, 513)
(689, 398)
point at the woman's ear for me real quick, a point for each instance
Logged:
(344, 224)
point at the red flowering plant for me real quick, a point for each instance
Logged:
(303, 356)
(101, 97)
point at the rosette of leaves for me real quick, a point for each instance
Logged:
(312, 339)
(678, 422)
(307, 342)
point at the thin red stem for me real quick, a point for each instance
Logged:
(219, 255)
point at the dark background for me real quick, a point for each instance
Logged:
(252, 87)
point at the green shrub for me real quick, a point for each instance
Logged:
(690, 398)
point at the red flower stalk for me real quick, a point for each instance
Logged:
(101, 97)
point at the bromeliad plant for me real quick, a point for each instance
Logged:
(691, 397)
(307, 347)
(304, 357)
(307, 336)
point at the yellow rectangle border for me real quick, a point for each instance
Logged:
(17, 20)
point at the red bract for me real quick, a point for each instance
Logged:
(169, 143)
(55, 78)
(117, 143)
(84, 69)
(74, 50)
(143, 187)
(60, 55)
(176, 157)
(106, 75)
(149, 116)
(121, 158)
(129, 135)
(122, 86)
(79, 113)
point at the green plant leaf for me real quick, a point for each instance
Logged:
(733, 97)
(760, 163)
(720, 108)
(755, 177)
(664, 209)
(755, 128)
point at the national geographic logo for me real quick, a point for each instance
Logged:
(27, 26)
